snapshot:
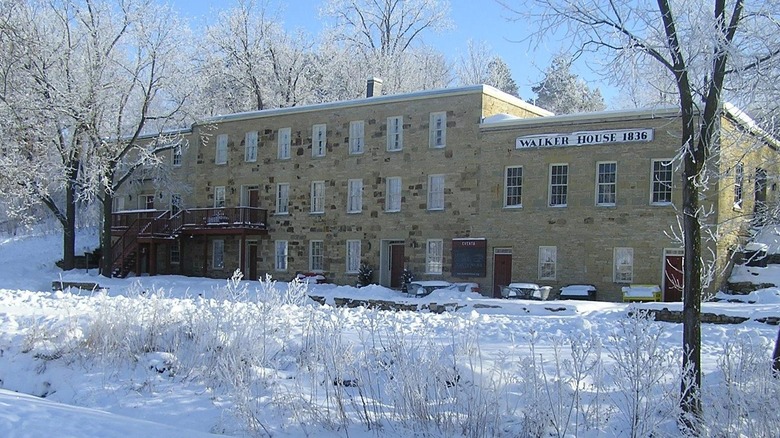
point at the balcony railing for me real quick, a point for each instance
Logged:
(157, 223)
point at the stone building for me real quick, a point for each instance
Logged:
(462, 184)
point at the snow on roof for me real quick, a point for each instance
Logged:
(497, 118)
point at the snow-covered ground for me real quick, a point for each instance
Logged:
(175, 356)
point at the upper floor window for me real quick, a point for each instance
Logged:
(282, 198)
(357, 135)
(559, 184)
(118, 204)
(176, 156)
(513, 187)
(175, 203)
(436, 192)
(438, 130)
(283, 142)
(434, 254)
(395, 133)
(355, 196)
(219, 197)
(393, 195)
(318, 197)
(147, 202)
(606, 183)
(250, 146)
(739, 179)
(353, 256)
(318, 140)
(662, 182)
(175, 252)
(316, 256)
(623, 268)
(548, 257)
(222, 150)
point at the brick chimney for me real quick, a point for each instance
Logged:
(374, 87)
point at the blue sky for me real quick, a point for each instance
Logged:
(483, 20)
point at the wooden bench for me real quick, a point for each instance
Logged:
(641, 293)
(62, 285)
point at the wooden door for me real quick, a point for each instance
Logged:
(502, 272)
(251, 261)
(396, 264)
(253, 195)
(673, 277)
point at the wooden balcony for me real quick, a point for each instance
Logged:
(161, 225)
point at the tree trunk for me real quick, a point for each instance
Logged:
(106, 255)
(69, 228)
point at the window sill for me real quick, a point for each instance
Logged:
(513, 207)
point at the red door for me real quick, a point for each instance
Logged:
(502, 272)
(396, 264)
(673, 278)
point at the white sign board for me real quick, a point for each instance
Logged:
(583, 138)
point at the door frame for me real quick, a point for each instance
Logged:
(384, 259)
(499, 251)
(670, 252)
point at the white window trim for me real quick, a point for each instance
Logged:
(319, 140)
(544, 250)
(219, 193)
(550, 185)
(434, 260)
(176, 152)
(176, 244)
(221, 154)
(392, 145)
(215, 262)
(312, 255)
(598, 184)
(739, 186)
(506, 187)
(284, 143)
(436, 197)
(143, 201)
(616, 270)
(353, 256)
(357, 137)
(317, 197)
(282, 208)
(280, 260)
(174, 204)
(250, 146)
(355, 200)
(442, 115)
(390, 196)
(652, 181)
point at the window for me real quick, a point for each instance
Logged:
(393, 195)
(624, 265)
(739, 179)
(221, 155)
(318, 197)
(436, 192)
(284, 144)
(316, 256)
(395, 133)
(547, 262)
(118, 204)
(355, 196)
(356, 137)
(434, 250)
(147, 202)
(280, 256)
(176, 156)
(282, 198)
(438, 130)
(606, 183)
(175, 253)
(318, 140)
(353, 256)
(218, 254)
(559, 183)
(250, 146)
(219, 197)
(175, 203)
(662, 182)
(513, 187)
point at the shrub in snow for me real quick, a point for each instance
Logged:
(365, 275)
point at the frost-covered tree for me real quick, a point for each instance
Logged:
(708, 49)
(563, 92)
(480, 66)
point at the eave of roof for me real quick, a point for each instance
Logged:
(578, 118)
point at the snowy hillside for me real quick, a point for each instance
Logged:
(175, 356)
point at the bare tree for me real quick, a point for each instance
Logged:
(706, 49)
(480, 66)
(563, 92)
